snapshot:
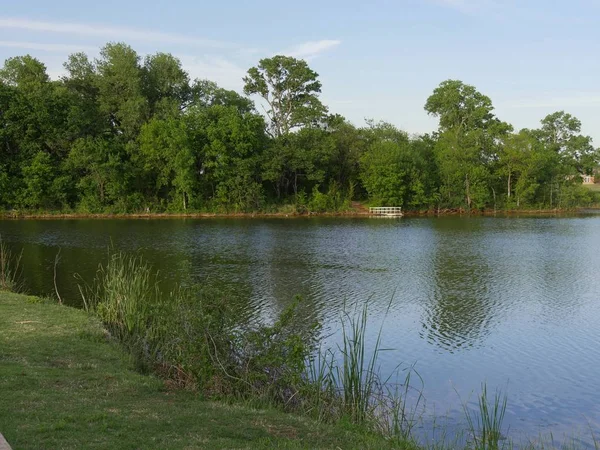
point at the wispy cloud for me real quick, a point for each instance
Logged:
(61, 48)
(312, 49)
(223, 62)
(110, 33)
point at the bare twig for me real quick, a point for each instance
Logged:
(56, 261)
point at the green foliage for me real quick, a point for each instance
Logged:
(122, 133)
(193, 337)
(167, 159)
(333, 200)
(467, 144)
(396, 171)
(318, 202)
(38, 177)
(290, 88)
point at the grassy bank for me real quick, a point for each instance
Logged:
(65, 385)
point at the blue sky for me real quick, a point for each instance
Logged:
(378, 59)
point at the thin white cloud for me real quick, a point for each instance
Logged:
(109, 33)
(311, 49)
(62, 48)
(223, 62)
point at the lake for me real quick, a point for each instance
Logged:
(513, 302)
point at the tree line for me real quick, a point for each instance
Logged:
(122, 133)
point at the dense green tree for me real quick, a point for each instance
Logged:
(207, 93)
(297, 161)
(98, 166)
(120, 89)
(561, 132)
(291, 90)
(167, 156)
(166, 85)
(229, 143)
(467, 144)
(348, 145)
(397, 171)
(81, 87)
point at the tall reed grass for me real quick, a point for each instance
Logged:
(10, 269)
(486, 424)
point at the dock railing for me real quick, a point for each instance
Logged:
(386, 211)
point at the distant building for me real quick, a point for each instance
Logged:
(588, 179)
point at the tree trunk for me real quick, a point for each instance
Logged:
(509, 180)
(296, 183)
(101, 187)
(278, 189)
(468, 191)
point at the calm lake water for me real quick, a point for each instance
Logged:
(513, 302)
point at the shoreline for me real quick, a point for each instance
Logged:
(15, 215)
(63, 359)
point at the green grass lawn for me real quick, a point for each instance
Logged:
(64, 385)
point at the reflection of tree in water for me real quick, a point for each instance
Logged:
(461, 310)
(286, 269)
(254, 266)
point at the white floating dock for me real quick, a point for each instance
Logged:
(388, 211)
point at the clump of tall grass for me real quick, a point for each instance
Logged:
(367, 398)
(348, 386)
(486, 425)
(10, 269)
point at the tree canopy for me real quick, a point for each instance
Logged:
(122, 133)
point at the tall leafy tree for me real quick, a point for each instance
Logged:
(291, 90)
(229, 144)
(561, 132)
(166, 85)
(98, 166)
(81, 87)
(395, 170)
(120, 89)
(168, 158)
(468, 138)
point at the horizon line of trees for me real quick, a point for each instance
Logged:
(124, 134)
